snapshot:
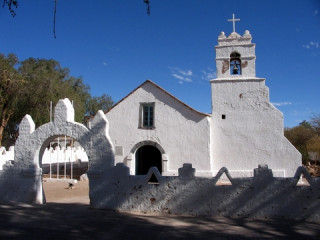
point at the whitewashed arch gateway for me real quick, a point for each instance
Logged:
(23, 178)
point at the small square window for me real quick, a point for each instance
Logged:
(223, 116)
(147, 115)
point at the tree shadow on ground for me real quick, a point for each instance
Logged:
(78, 221)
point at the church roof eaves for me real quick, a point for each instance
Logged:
(160, 88)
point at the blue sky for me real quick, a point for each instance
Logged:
(115, 46)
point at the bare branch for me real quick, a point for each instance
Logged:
(54, 18)
(11, 4)
(148, 6)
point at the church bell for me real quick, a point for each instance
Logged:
(234, 68)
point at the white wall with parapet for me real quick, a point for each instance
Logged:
(6, 155)
(182, 133)
(64, 155)
(50, 155)
(21, 181)
(262, 196)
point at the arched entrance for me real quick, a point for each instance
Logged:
(62, 165)
(63, 158)
(147, 156)
(32, 143)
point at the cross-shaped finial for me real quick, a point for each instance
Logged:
(234, 20)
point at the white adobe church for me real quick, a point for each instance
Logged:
(150, 127)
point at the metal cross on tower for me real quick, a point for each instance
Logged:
(233, 20)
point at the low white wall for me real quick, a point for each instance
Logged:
(49, 156)
(64, 155)
(6, 155)
(262, 196)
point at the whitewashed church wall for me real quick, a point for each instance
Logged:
(252, 132)
(183, 133)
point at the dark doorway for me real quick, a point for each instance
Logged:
(146, 157)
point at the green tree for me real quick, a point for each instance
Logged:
(29, 86)
(305, 124)
(299, 137)
(315, 123)
(53, 83)
(79, 94)
(95, 104)
(48, 81)
(12, 86)
(313, 145)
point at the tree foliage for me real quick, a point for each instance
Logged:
(95, 104)
(48, 81)
(28, 87)
(315, 123)
(12, 86)
(305, 137)
(313, 145)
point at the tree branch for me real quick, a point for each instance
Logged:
(54, 18)
(11, 4)
(148, 6)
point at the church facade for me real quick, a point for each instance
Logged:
(150, 127)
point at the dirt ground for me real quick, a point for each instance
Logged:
(60, 192)
(67, 215)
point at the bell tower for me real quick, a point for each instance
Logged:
(236, 80)
(235, 56)
(247, 130)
